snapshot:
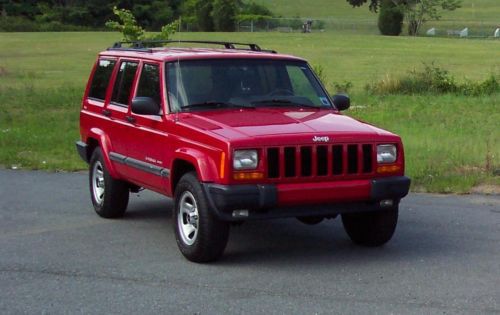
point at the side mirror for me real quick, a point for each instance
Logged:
(341, 101)
(143, 105)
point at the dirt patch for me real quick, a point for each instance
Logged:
(486, 189)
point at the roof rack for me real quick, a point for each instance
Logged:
(146, 45)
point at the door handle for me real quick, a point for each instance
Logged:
(130, 119)
(106, 112)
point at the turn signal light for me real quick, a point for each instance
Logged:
(388, 169)
(248, 175)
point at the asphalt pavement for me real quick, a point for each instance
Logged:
(57, 256)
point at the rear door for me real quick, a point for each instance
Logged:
(118, 111)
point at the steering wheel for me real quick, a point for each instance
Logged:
(281, 92)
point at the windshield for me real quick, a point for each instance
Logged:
(217, 83)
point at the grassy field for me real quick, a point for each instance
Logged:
(452, 142)
(471, 10)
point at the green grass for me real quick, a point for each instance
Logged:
(480, 16)
(452, 142)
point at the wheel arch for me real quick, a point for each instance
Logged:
(97, 138)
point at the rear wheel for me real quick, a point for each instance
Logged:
(200, 236)
(371, 228)
(109, 196)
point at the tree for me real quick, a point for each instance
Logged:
(224, 15)
(416, 12)
(134, 32)
(420, 11)
(374, 4)
(390, 18)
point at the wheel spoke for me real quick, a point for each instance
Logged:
(188, 229)
(188, 207)
(187, 218)
(98, 183)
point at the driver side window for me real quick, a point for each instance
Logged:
(149, 83)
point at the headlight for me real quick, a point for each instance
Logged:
(386, 153)
(245, 159)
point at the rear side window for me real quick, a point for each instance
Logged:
(101, 78)
(123, 83)
(149, 83)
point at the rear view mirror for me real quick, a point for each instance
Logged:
(145, 106)
(341, 101)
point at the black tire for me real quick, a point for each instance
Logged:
(311, 220)
(371, 228)
(112, 200)
(200, 236)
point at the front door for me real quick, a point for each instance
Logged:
(148, 143)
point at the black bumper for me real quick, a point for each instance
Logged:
(81, 147)
(261, 201)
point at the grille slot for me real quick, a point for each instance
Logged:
(306, 161)
(352, 159)
(290, 162)
(367, 158)
(273, 162)
(337, 160)
(320, 160)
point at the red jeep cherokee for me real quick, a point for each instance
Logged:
(234, 134)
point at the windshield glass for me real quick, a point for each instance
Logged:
(217, 83)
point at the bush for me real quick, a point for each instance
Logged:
(17, 24)
(432, 79)
(390, 19)
(320, 73)
(343, 87)
(340, 87)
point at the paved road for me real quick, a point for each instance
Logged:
(57, 256)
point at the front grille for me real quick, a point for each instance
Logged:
(319, 160)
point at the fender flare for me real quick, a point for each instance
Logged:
(206, 167)
(105, 146)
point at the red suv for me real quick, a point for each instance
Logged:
(233, 134)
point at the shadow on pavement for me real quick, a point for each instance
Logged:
(288, 240)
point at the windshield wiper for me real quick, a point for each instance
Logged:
(214, 104)
(282, 102)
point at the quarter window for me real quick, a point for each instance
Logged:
(123, 83)
(100, 81)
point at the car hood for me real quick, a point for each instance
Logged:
(249, 123)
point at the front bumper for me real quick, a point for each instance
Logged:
(82, 149)
(311, 199)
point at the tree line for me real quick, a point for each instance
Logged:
(54, 15)
(200, 15)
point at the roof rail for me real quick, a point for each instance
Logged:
(147, 44)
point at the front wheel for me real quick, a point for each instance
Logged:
(200, 236)
(371, 228)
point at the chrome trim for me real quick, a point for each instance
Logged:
(140, 165)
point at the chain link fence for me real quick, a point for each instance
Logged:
(442, 28)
